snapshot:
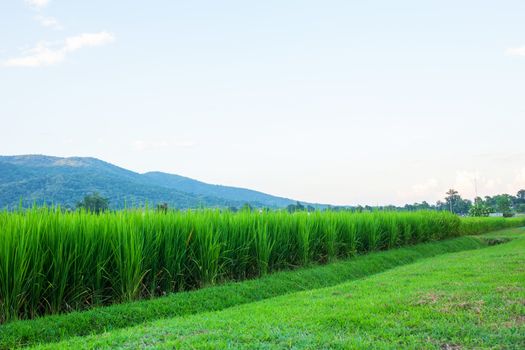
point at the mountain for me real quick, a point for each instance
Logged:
(65, 181)
(234, 194)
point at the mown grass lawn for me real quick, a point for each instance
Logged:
(467, 300)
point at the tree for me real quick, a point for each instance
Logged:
(479, 209)
(441, 205)
(452, 198)
(503, 203)
(463, 206)
(94, 203)
(163, 208)
(424, 206)
(455, 203)
(520, 197)
(246, 207)
(295, 207)
(490, 202)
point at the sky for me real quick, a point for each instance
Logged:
(335, 101)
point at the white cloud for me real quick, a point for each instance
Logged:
(515, 51)
(425, 188)
(465, 183)
(45, 54)
(519, 181)
(40, 55)
(49, 22)
(37, 4)
(74, 43)
(428, 190)
(470, 183)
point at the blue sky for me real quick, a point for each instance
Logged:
(342, 102)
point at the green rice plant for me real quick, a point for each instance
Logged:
(173, 251)
(282, 229)
(54, 261)
(238, 233)
(304, 228)
(477, 225)
(393, 230)
(369, 226)
(407, 229)
(15, 274)
(348, 235)
(205, 249)
(330, 240)
(263, 248)
(127, 249)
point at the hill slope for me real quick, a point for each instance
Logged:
(65, 181)
(233, 194)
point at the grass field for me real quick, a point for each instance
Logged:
(415, 297)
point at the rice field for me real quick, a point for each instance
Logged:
(54, 262)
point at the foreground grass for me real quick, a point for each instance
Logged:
(464, 300)
(98, 320)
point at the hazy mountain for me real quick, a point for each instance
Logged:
(65, 181)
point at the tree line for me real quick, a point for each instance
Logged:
(505, 204)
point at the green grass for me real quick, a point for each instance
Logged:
(465, 300)
(55, 262)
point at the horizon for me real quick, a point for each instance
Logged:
(345, 103)
(272, 194)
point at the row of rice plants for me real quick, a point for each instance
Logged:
(478, 225)
(53, 261)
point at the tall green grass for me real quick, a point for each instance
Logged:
(53, 261)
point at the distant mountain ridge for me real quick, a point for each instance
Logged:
(65, 181)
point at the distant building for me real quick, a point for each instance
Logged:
(496, 215)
